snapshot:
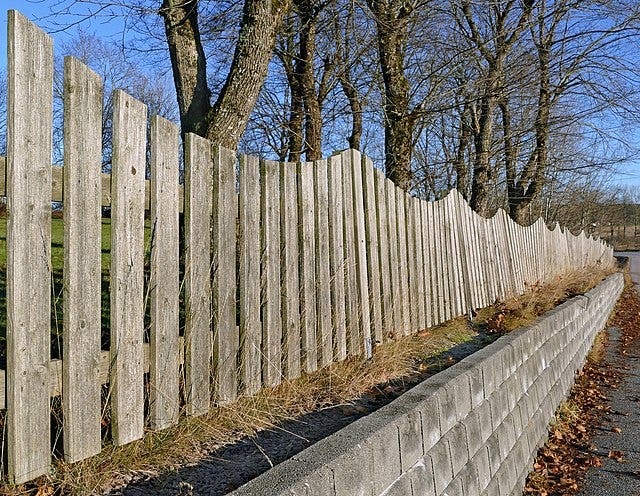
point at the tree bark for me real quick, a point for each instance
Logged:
(392, 25)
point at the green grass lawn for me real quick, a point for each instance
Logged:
(57, 263)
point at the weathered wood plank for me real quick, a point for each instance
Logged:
(336, 256)
(164, 280)
(361, 254)
(427, 242)
(270, 278)
(402, 263)
(306, 217)
(127, 268)
(411, 263)
(323, 270)
(290, 275)
(384, 255)
(394, 262)
(226, 342)
(197, 279)
(373, 254)
(354, 344)
(82, 261)
(440, 263)
(419, 253)
(29, 117)
(249, 279)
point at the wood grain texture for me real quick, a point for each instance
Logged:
(307, 241)
(82, 261)
(403, 271)
(427, 242)
(249, 279)
(412, 286)
(226, 340)
(417, 213)
(383, 254)
(127, 268)
(373, 249)
(29, 117)
(290, 270)
(164, 278)
(394, 261)
(197, 273)
(354, 343)
(270, 279)
(361, 255)
(323, 276)
(336, 256)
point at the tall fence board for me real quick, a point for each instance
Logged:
(287, 267)
(127, 268)
(82, 261)
(29, 113)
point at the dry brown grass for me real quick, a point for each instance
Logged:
(411, 357)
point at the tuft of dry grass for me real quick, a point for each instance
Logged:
(398, 364)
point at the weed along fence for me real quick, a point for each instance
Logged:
(279, 269)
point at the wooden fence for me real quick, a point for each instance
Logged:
(287, 267)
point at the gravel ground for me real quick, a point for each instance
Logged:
(620, 477)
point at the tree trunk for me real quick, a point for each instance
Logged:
(392, 29)
(188, 63)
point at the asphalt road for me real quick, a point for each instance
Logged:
(620, 478)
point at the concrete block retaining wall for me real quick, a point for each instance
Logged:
(472, 429)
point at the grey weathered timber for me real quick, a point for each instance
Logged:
(164, 280)
(427, 241)
(197, 273)
(249, 276)
(383, 245)
(270, 278)
(405, 325)
(290, 276)
(464, 234)
(394, 262)
(458, 284)
(361, 254)
(373, 255)
(441, 263)
(354, 343)
(323, 275)
(225, 332)
(417, 213)
(411, 263)
(336, 257)
(82, 261)
(29, 114)
(127, 268)
(306, 221)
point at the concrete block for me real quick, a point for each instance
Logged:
(483, 412)
(493, 450)
(474, 433)
(476, 383)
(457, 438)
(454, 488)
(499, 402)
(447, 415)
(401, 487)
(469, 478)
(482, 467)
(430, 413)
(411, 443)
(493, 489)
(353, 472)
(506, 436)
(507, 476)
(384, 447)
(442, 466)
(518, 426)
(422, 479)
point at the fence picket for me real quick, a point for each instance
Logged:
(306, 213)
(351, 286)
(336, 255)
(411, 263)
(373, 256)
(402, 262)
(249, 266)
(127, 266)
(225, 332)
(164, 282)
(197, 333)
(290, 271)
(29, 119)
(394, 261)
(323, 283)
(82, 261)
(384, 254)
(270, 277)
